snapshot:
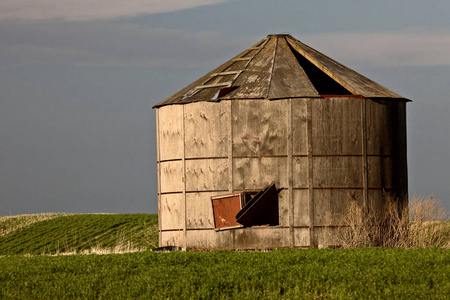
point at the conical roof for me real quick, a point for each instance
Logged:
(279, 66)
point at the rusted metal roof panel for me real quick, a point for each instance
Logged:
(288, 78)
(356, 83)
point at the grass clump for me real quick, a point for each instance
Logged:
(418, 224)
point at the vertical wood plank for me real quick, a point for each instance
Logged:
(171, 212)
(170, 127)
(364, 151)
(184, 180)
(310, 174)
(158, 163)
(290, 174)
(230, 147)
(299, 130)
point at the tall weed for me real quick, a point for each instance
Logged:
(397, 223)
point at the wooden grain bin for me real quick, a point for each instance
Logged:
(278, 113)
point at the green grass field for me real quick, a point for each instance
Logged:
(373, 273)
(369, 273)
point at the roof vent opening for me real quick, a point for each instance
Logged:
(324, 84)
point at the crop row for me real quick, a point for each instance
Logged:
(74, 233)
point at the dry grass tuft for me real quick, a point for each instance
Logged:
(421, 224)
(118, 249)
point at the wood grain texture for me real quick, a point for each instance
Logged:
(300, 174)
(208, 239)
(258, 173)
(338, 171)
(387, 172)
(206, 129)
(170, 132)
(386, 127)
(255, 79)
(255, 237)
(299, 126)
(259, 128)
(331, 204)
(207, 175)
(283, 207)
(172, 176)
(288, 79)
(302, 237)
(327, 236)
(172, 214)
(301, 208)
(336, 126)
(199, 211)
(171, 238)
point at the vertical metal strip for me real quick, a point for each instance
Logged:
(364, 152)
(158, 163)
(310, 174)
(290, 174)
(184, 180)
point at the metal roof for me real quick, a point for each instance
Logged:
(279, 66)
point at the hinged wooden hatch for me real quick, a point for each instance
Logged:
(246, 209)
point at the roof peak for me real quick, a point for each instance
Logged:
(279, 35)
(279, 66)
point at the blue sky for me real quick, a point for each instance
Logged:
(78, 80)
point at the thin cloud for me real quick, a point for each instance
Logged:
(411, 47)
(118, 44)
(113, 44)
(82, 10)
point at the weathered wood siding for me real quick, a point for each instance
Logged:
(206, 129)
(336, 126)
(325, 153)
(199, 210)
(170, 132)
(259, 128)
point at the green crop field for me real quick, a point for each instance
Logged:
(368, 273)
(52, 234)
